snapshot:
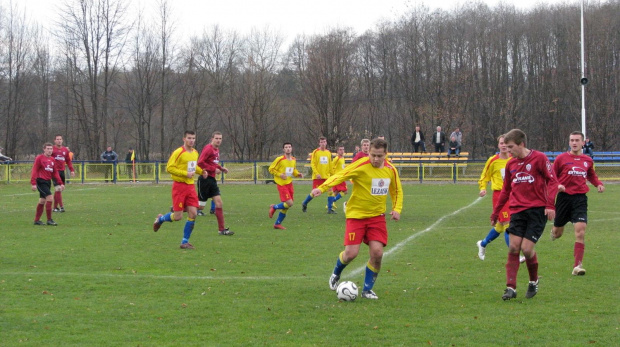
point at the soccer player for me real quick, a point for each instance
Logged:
(494, 172)
(61, 155)
(338, 165)
(182, 166)
(364, 152)
(283, 169)
(573, 168)
(44, 169)
(207, 185)
(321, 163)
(373, 179)
(531, 186)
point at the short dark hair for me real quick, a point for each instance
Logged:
(515, 135)
(322, 138)
(379, 143)
(189, 132)
(287, 143)
(578, 133)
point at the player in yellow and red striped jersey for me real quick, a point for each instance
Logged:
(494, 172)
(338, 164)
(321, 163)
(373, 179)
(183, 166)
(283, 169)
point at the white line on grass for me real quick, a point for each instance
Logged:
(172, 277)
(404, 242)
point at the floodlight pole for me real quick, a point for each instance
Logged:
(584, 80)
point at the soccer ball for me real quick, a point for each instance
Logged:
(347, 291)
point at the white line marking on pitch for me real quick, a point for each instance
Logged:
(172, 277)
(404, 242)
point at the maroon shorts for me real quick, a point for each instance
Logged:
(317, 182)
(183, 195)
(342, 187)
(286, 192)
(504, 213)
(365, 230)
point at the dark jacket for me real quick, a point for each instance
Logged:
(413, 137)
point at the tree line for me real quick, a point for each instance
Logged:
(103, 75)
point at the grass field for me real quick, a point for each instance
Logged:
(104, 278)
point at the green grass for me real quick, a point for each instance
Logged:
(103, 278)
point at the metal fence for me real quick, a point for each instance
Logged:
(258, 172)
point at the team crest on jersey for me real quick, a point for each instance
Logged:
(528, 167)
(577, 171)
(379, 186)
(191, 166)
(523, 177)
(49, 167)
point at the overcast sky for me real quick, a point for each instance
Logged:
(289, 17)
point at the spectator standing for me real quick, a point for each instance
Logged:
(4, 158)
(110, 157)
(417, 140)
(439, 140)
(588, 147)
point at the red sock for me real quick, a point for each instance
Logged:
(56, 199)
(48, 209)
(512, 267)
(37, 216)
(532, 267)
(60, 199)
(219, 213)
(578, 253)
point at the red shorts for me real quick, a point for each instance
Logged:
(365, 230)
(504, 213)
(183, 195)
(342, 187)
(317, 182)
(286, 192)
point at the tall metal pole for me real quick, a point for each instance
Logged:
(584, 80)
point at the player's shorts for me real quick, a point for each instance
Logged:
(366, 230)
(207, 188)
(61, 173)
(342, 187)
(570, 208)
(183, 195)
(504, 213)
(317, 182)
(286, 192)
(44, 187)
(528, 224)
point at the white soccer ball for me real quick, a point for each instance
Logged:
(347, 291)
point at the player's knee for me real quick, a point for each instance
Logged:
(289, 203)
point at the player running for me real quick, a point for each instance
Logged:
(373, 178)
(494, 172)
(336, 193)
(183, 166)
(321, 163)
(283, 169)
(573, 168)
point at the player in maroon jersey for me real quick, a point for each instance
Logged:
(43, 170)
(60, 153)
(531, 186)
(364, 152)
(573, 168)
(209, 161)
